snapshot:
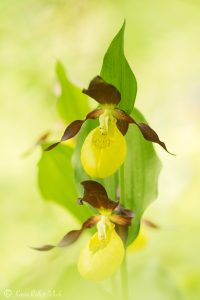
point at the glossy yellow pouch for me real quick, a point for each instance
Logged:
(99, 259)
(103, 153)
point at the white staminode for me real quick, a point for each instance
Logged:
(106, 120)
(101, 227)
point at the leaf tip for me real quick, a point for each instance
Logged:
(58, 65)
(124, 24)
(122, 28)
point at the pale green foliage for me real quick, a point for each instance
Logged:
(56, 180)
(116, 70)
(72, 103)
(142, 167)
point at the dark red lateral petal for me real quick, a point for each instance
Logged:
(71, 236)
(102, 92)
(94, 113)
(121, 220)
(122, 115)
(96, 195)
(148, 133)
(72, 130)
(74, 127)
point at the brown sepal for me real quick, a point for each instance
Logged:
(124, 212)
(74, 127)
(96, 196)
(102, 92)
(122, 231)
(71, 236)
(148, 133)
(122, 126)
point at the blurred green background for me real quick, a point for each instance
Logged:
(162, 46)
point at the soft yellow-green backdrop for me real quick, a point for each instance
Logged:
(163, 47)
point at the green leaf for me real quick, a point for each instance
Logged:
(142, 165)
(72, 103)
(79, 172)
(116, 71)
(141, 169)
(56, 180)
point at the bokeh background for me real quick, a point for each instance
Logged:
(162, 46)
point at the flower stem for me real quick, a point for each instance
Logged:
(123, 271)
(114, 287)
(124, 279)
(121, 184)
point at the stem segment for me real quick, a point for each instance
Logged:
(124, 279)
(121, 184)
(123, 271)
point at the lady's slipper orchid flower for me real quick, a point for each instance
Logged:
(104, 252)
(104, 149)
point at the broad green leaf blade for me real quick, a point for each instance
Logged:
(109, 183)
(56, 180)
(141, 168)
(72, 103)
(116, 70)
(142, 165)
(79, 172)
